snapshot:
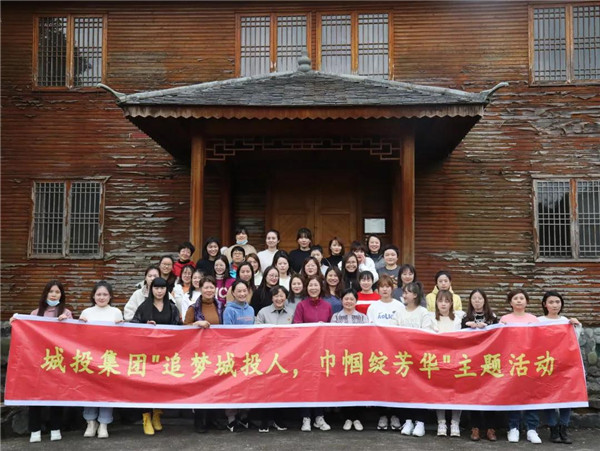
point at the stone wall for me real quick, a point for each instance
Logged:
(589, 341)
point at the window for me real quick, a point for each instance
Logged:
(567, 218)
(271, 43)
(69, 51)
(354, 44)
(67, 219)
(565, 44)
(350, 43)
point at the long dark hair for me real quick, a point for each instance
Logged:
(180, 280)
(549, 294)
(226, 274)
(339, 287)
(350, 279)
(100, 284)
(291, 295)
(43, 305)
(417, 289)
(250, 282)
(487, 310)
(158, 282)
(148, 269)
(209, 240)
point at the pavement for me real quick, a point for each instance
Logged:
(178, 434)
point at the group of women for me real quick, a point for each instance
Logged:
(237, 285)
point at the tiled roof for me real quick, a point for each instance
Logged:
(304, 89)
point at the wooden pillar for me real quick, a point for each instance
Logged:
(408, 197)
(226, 206)
(197, 193)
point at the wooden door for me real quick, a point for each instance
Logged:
(326, 205)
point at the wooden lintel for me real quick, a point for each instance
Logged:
(408, 197)
(197, 193)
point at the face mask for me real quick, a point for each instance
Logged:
(52, 303)
(242, 243)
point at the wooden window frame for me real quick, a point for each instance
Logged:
(66, 220)
(573, 223)
(70, 46)
(272, 37)
(354, 38)
(570, 80)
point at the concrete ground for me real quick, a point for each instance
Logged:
(178, 434)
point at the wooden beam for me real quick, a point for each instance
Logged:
(197, 193)
(226, 205)
(408, 197)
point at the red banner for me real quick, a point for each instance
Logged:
(133, 365)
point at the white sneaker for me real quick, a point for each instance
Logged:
(454, 429)
(55, 435)
(513, 435)
(442, 429)
(103, 430)
(419, 430)
(321, 424)
(533, 436)
(305, 424)
(382, 424)
(408, 427)
(395, 423)
(91, 429)
(35, 437)
(347, 425)
(358, 425)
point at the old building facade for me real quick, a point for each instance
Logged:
(501, 189)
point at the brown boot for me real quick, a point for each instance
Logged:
(491, 435)
(475, 434)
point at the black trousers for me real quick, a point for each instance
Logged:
(35, 417)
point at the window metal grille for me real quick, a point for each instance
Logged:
(52, 51)
(70, 51)
(588, 217)
(87, 51)
(255, 45)
(48, 218)
(67, 218)
(554, 218)
(373, 48)
(336, 44)
(291, 41)
(550, 44)
(84, 220)
(586, 42)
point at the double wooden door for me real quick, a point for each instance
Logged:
(328, 205)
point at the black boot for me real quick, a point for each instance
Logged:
(200, 421)
(554, 434)
(564, 435)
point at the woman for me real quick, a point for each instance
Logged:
(98, 418)
(223, 278)
(311, 267)
(245, 273)
(51, 305)
(272, 240)
(262, 296)
(241, 239)
(156, 309)
(210, 251)
(256, 267)
(350, 271)
(333, 288)
(140, 295)
(165, 267)
(313, 309)
(374, 251)
(282, 263)
(336, 252)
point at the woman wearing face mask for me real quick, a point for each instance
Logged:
(51, 305)
(241, 239)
